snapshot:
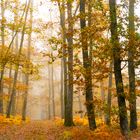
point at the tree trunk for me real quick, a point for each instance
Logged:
(64, 59)
(108, 113)
(25, 99)
(11, 105)
(49, 102)
(52, 88)
(131, 67)
(117, 69)
(2, 23)
(102, 98)
(87, 67)
(16, 51)
(69, 101)
(28, 56)
(10, 76)
(17, 65)
(2, 49)
(62, 90)
(1, 92)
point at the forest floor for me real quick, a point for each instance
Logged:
(54, 130)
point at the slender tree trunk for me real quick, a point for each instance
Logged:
(10, 76)
(10, 85)
(131, 67)
(64, 51)
(49, 103)
(2, 24)
(25, 97)
(13, 106)
(87, 67)
(1, 92)
(117, 69)
(108, 113)
(102, 98)
(62, 90)
(16, 51)
(17, 66)
(16, 109)
(28, 56)
(2, 49)
(52, 88)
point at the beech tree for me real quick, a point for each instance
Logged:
(17, 65)
(2, 48)
(61, 6)
(69, 96)
(131, 67)
(87, 68)
(25, 99)
(117, 69)
(109, 96)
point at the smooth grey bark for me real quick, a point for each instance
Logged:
(62, 90)
(10, 74)
(16, 51)
(108, 113)
(49, 102)
(17, 65)
(2, 23)
(70, 65)
(2, 48)
(1, 91)
(64, 51)
(117, 69)
(53, 93)
(87, 68)
(68, 121)
(11, 105)
(10, 86)
(131, 67)
(28, 57)
(25, 97)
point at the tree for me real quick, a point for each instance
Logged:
(87, 68)
(17, 65)
(28, 57)
(131, 67)
(63, 59)
(16, 44)
(69, 96)
(108, 113)
(117, 69)
(2, 46)
(49, 102)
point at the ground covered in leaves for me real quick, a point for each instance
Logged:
(54, 130)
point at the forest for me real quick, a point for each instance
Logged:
(69, 69)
